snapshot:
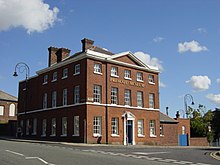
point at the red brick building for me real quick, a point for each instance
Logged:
(93, 96)
(8, 113)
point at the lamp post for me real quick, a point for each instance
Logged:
(188, 97)
(22, 67)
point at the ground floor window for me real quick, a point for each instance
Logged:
(140, 127)
(53, 127)
(44, 127)
(115, 126)
(152, 128)
(34, 127)
(76, 126)
(161, 130)
(64, 126)
(27, 126)
(97, 126)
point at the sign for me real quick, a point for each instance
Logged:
(126, 82)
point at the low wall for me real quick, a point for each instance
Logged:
(198, 141)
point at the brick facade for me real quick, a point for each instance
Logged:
(99, 121)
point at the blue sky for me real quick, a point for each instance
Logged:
(182, 38)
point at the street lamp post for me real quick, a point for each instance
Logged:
(188, 97)
(22, 67)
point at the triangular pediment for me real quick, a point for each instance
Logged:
(128, 57)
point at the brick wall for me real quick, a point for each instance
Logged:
(198, 141)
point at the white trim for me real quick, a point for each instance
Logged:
(115, 135)
(88, 103)
(100, 73)
(75, 135)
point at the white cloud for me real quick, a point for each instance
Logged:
(32, 15)
(158, 39)
(201, 30)
(218, 81)
(192, 46)
(199, 83)
(214, 98)
(147, 59)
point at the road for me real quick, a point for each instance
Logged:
(26, 153)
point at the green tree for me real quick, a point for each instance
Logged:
(200, 122)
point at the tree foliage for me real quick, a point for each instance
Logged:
(200, 121)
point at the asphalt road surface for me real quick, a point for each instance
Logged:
(26, 153)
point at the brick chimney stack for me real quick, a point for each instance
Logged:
(57, 55)
(86, 44)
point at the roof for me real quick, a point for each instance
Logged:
(166, 119)
(101, 50)
(7, 97)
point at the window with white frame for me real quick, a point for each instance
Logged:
(1, 110)
(97, 127)
(115, 126)
(53, 127)
(97, 68)
(77, 94)
(34, 131)
(45, 80)
(54, 78)
(65, 73)
(12, 110)
(97, 90)
(77, 69)
(76, 126)
(65, 96)
(139, 76)
(140, 127)
(54, 99)
(64, 126)
(183, 130)
(45, 101)
(44, 127)
(127, 74)
(127, 97)
(114, 95)
(151, 100)
(27, 126)
(161, 130)
(152, 128)
(114, 71)
(139, 99)
(151, 79)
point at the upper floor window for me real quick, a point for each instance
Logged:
(54, 78)
(77, 69)
(140, 99)
(45, 100)
(1, 110)
(127, 74)
(114, 71)
(97, 68)
(12, 110)
(127, 97)
(139, 76)
(114, 95)
(151, 100)
(65, 96)
(151, 79)
(97, 93)
(45, 80)
(54, 99)
(65, 73)
(76, 94)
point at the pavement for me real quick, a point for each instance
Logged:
(215, 154)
